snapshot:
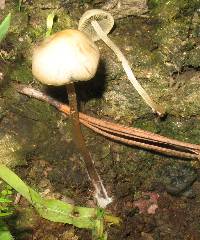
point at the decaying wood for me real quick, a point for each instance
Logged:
(124, 134)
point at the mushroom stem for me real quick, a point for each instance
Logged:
(156, 108)
(100, 192)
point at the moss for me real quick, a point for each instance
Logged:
(153, 3)
(176, 21)
(170, 10)
(182, 128)
(32, 126)
(39, 111)
(10, 151)
(63, 21)
(193, 58)
(22, 74)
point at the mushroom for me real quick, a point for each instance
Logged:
(97, 23)
(62, 59)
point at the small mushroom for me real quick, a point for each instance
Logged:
(65, 57)
(97, 23)
(62, 59)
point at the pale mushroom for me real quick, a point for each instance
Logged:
(97, 23)
(62, 59)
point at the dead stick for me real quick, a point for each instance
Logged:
(138, 137)
(192, 149)
(130, 132)
(131, 142)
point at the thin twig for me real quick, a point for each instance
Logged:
(138, 143)
(124, 134)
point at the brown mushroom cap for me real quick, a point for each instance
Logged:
(65, 57)
(104, 19)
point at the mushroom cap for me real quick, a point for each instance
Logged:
(65, 57)
(104, 19)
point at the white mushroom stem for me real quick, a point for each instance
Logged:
(158, 109)
(100, 192)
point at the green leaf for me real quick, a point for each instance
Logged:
(6, 214)
(58, 211)
(5, 200)
(49, 23)
(4, 26)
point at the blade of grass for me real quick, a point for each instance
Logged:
(55, 210)
(49, 22)
(4, 26)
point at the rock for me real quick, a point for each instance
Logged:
(178, 178)
(125, 8)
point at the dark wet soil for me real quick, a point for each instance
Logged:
(176, 217)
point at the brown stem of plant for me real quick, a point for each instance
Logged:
(124, 134)
(80, 144)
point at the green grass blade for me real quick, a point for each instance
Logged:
(54, 210)
(15, 182)
(50, 19)
(58, 211)
(4, 26)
